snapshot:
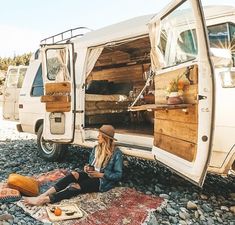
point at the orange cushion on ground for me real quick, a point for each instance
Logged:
(25, 185)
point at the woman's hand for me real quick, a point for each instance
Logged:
(95, 174)
(86, 167)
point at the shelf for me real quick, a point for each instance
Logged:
(153, 107)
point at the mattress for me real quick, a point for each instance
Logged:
(106, 98)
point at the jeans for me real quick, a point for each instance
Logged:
(65, 191)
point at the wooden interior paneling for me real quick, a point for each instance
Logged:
(180, 148)
(133, 73)
(100, 107)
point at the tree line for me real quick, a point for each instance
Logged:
(15, 61)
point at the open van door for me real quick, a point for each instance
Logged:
(183, 117)
(14, 80)
(58, 77)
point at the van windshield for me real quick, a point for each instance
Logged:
(221, 36)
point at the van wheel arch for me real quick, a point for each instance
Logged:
(48, 150)
(37, 125)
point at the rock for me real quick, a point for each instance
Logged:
(6, 217)
(184, 215)
(164, 196)
(196, 214)
(206, 208)
(203, 197)
(173, 219)
(224, 208)
(232, 195)
(157, 189)
(210, 221)
(182, 222)
(202, 217)
(219, 220)
(232, 209)
(191, 205)
(171, 211)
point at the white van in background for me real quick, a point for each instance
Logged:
(13, 83)
(72, 87)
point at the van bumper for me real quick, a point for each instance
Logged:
(19, 127)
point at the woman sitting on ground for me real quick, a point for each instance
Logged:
(103, 171)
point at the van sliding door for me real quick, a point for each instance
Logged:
(183, 90)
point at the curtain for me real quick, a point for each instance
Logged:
(157, 59)
(63, 74)
(93, 55)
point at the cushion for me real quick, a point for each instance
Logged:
(9, 195)
(26, 185)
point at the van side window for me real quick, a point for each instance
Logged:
(12, 78)
(22, 73)
(37, 87)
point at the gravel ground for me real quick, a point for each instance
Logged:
(185, 203)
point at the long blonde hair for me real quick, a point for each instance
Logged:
(104, 152)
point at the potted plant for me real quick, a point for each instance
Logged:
(175, 90)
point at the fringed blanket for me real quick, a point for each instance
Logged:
(116, 207)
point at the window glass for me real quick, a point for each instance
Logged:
(178, 41)
(12, 78)
(218, 36)
(58, 67)
(232, 39)
(37, 88)
(22, 73)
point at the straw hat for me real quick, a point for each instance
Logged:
(108, 131)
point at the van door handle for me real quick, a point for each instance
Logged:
(201, 97)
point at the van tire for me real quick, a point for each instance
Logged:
(50, 151)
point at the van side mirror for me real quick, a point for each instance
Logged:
(221, 57)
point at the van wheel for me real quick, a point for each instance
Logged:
(49, 150)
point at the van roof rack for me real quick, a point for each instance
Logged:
(65, 36)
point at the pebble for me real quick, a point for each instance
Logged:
(191, 205)
(186, 204)
(224, 208)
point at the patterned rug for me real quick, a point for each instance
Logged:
(118, 206)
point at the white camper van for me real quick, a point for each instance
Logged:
(120, 75)
(14, 80)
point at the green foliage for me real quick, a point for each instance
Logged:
(15, 61)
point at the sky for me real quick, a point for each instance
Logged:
(23, 23)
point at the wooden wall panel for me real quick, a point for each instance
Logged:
(189, 115)
(183, 131)
(180, 148)
(61, 87)
(132, 73)
(58, 106)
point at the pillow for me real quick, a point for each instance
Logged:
(25, 185)
(9, 195)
